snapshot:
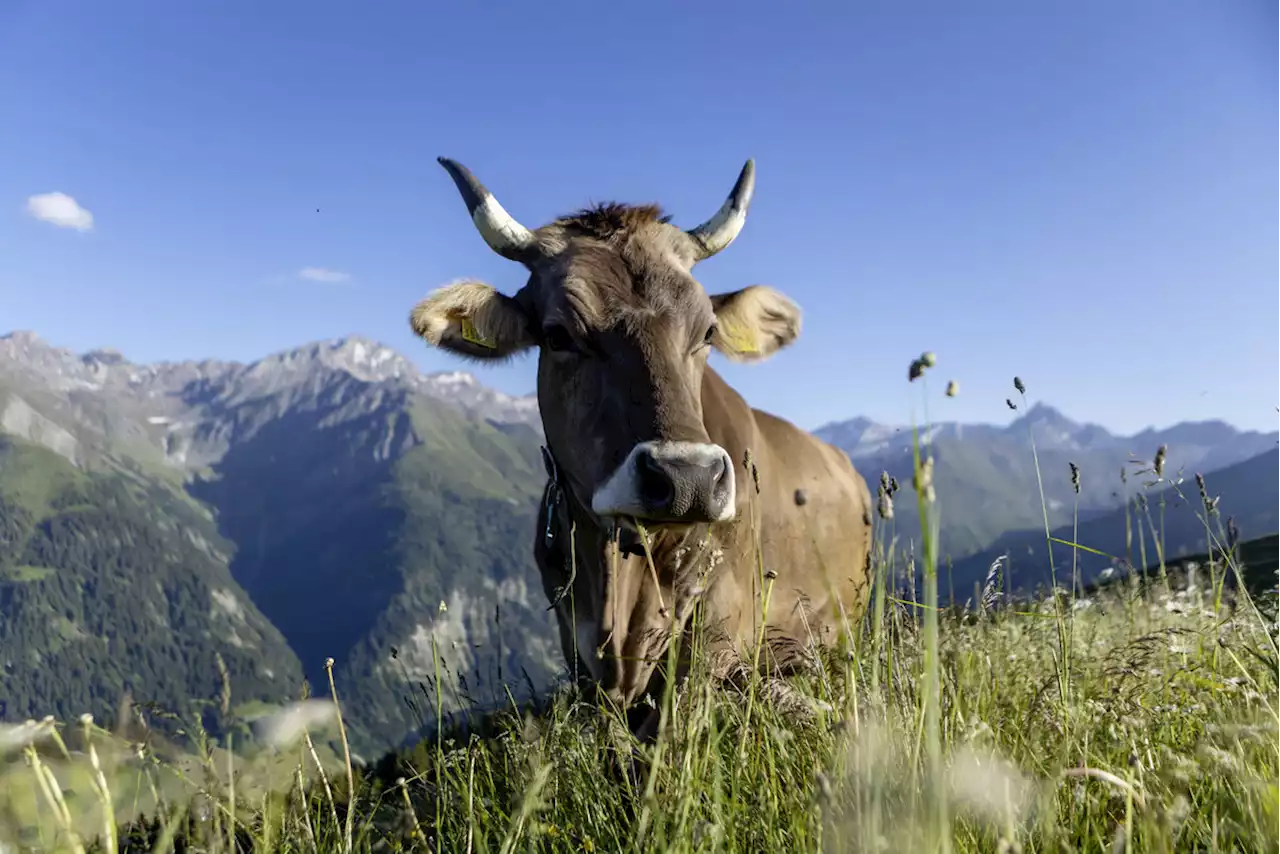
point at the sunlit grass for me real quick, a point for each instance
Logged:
(1139, 719)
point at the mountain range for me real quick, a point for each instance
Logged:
(326, 502)
(988, 478)
(168, 528)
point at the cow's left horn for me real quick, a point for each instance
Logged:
(719, 231)
(499, 229)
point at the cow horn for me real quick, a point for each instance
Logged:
(719, 231)
(499, 229)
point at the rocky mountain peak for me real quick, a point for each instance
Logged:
(460, 379)
(21, 337)
(362, 358)
(1043, 413)
(1055, 430)
(104, 356)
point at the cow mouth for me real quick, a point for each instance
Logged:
(630, 539)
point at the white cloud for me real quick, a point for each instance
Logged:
(60, 210)
(320, 274)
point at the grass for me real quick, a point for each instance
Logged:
(1143, 718)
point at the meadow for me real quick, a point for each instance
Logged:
(1138, 716)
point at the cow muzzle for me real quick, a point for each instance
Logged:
(671, 482)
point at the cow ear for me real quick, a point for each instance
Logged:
(473, 320)
(754, 323)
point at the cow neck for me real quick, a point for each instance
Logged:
(561, 507)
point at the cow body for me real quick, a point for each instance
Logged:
(668, 494)
(610, 610)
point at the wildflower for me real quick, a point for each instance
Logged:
(953, 388)
(16, 737)
(283, 728)
(1158, 462)
(1017, 383)
(987, 786)
(1009, 403)
(1075, 477)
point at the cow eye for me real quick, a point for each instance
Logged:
(711, 334)
(558, 339)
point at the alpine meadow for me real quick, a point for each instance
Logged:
(164, 706)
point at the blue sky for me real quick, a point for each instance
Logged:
(1079, 193)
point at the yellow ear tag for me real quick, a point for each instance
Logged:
(470, 334)
(738, 339)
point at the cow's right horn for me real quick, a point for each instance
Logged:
(499, 229)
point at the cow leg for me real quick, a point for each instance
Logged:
(728, 667)
(790, 702)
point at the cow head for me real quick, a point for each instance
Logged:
(623, 331)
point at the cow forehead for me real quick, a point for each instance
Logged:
(604, 284)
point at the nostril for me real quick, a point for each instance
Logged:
(655, 484)
(720, 474)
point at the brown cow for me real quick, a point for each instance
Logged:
(639, 428)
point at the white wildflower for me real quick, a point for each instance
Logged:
(283, 728)
(988, 786)
(14, 737)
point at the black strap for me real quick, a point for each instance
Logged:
(552, 496)
(553, 500)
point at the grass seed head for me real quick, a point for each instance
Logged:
(916, 371)
(884, 504)
(923, 480)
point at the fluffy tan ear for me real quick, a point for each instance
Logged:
(472, 319)
(754, 323)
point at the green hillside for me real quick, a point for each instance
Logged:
(351, 555)
(108, 585)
